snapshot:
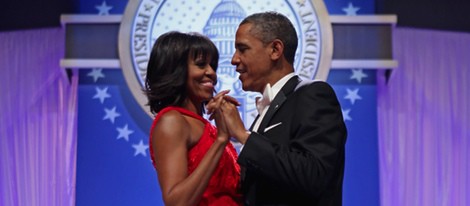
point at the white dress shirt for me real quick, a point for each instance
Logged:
(274, 90)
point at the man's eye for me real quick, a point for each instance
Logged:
(241, 49)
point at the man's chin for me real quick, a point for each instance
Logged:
(247, 89)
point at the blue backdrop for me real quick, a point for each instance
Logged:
(113, 163)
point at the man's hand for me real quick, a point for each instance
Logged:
(213, 108)
(217, 100)
(233, 121)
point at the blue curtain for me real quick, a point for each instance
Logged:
(37, 120)
(424, 120)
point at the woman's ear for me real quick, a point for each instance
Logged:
(277, 49)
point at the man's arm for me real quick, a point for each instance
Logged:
(314, 154)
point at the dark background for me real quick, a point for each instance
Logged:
(451, 15)
(30, 14)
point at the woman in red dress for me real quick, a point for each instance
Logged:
(195, 161)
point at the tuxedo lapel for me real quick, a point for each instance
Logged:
(253, 124)
(286, 90)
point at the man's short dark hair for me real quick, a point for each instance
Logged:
(268, 26)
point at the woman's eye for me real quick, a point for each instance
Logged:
(201, 64)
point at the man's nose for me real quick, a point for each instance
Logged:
(235, 59)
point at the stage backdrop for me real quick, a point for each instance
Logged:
(113, 162)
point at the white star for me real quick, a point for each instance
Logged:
(140, 148)
(96, 73)
(101, 94)
(352, 95)
(111, 114)
(124, 132)
(351, 10)
(358, 74)
(103, 9)
(346, 114)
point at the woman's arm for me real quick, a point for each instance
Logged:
(170, 140)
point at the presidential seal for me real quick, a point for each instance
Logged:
(145, 20)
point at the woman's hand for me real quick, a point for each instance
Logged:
(217, 101)
(213, 108)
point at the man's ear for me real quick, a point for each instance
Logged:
(277, 49)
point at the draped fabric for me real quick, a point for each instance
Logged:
(424, 120)
(37, 120)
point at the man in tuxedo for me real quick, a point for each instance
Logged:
(294, 152)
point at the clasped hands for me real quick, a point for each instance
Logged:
(223, 109)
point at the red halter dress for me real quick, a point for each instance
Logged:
(223, 187)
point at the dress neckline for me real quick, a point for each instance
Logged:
(185, 112)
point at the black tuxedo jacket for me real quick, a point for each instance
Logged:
(297, 155)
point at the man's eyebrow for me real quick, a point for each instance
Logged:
(239, 44)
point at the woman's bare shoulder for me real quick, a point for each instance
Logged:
(171, 124)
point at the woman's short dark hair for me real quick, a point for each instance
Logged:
(167, 69)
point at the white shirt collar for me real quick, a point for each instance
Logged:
(279, 84)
